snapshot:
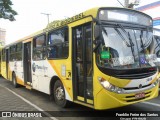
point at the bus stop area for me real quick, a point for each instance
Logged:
(15, 107)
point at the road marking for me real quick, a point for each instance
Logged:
(35, 106)
(154, 104)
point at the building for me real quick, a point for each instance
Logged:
(152, 9)
(2, 36)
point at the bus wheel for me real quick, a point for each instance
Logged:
(14, 81)
(59, 95)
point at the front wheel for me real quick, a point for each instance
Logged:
(59, 95)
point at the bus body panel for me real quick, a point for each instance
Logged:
(0, 60)
(101, 95)
(62, 69)
(156, 47)
(119, 100)
(3, 69)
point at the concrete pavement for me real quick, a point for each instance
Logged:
(13, 107)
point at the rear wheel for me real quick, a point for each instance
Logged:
(59, 95)
(14, 80)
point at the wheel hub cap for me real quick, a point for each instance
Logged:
(59, 93)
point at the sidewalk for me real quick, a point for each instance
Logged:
(9, 102)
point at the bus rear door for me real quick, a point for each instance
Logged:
(7, 63)
(27, 63)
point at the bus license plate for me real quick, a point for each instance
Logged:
(140, 95)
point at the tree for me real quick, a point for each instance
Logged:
(6, 10)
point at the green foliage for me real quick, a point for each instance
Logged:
(6, 10)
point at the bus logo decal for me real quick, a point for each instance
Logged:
(34, 67)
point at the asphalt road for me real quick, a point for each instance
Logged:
(80, 112)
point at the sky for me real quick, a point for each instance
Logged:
(30, 18)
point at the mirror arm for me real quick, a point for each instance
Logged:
(98, 22)
(97, 43)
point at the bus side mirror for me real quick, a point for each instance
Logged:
(97, 41)
(97, 30)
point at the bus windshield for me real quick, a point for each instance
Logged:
(157, 48)
(126, 48)
(157, 43)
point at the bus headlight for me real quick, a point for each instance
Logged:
(155, 83)
(158, 78)
(109, 86)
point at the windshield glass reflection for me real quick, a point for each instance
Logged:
(126, 48)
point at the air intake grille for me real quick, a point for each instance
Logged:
(136, 76)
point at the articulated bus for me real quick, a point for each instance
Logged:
(100, 58)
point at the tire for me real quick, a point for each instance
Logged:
(59, 95)
(14, 80)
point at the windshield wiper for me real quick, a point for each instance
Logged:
(148, 40)
(157, 41)
(142, 45)
(129, 37)
(119, 33)
(104, 30)
(127, 34)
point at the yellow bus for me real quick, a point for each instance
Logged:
(156, 44)
(0, 60)
(156, 33)
(99, 58)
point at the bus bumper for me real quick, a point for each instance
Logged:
(106, 99)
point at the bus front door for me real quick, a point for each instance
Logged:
(82, 63)
(27, 63)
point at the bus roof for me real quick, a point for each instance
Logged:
(91, 12)
(60, 23)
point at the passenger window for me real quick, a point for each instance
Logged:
(3, 55)
(58, 44)
(12, 53)
(39, 49)
(19, 51)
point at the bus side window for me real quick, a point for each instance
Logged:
(53, 52)
(58, 44)
(19, 52)
(39, 47)
(13, 53)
